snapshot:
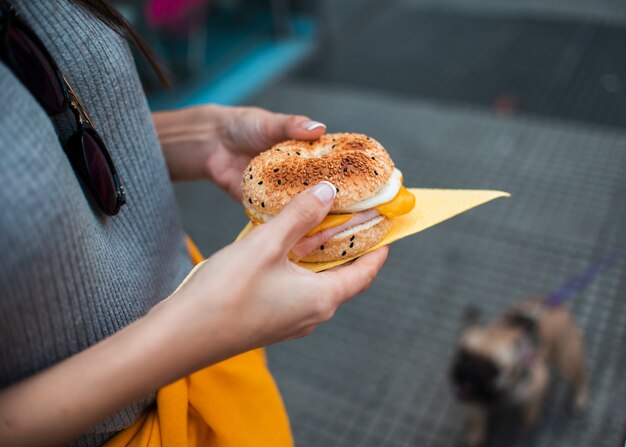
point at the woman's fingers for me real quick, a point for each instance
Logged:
(257, 129)
(304, 129)
(303, 213)
(277, 127)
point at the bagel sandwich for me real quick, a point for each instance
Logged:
(369, 190)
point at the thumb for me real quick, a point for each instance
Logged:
(303, 213)
(278, 127)
(303, 128)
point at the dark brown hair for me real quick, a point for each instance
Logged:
(106, 12)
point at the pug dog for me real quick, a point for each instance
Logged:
(507, 363)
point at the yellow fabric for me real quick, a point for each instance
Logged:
(233, 403)
(194, 252)
(432, 206)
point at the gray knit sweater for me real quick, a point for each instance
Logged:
(70, 276)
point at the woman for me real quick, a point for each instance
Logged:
(85, 336)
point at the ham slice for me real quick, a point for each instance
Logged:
(308, 244)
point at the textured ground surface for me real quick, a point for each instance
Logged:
(377, 374)
(553, 67)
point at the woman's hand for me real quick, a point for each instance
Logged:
(247, 295)
(218, 142)
(264, 297)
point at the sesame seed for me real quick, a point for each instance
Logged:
(298, 153)
(277, 150)
(249, 169)
(345, 169)
(351, 244)
(275, 169)
(375, 172)
(306, 183)
(288, 153)
(343, 253)
(352, 238)
(278, 181)
(260, 183)
(321, 247)
(333, 146)
(262, 204)
(250, 176)
(337, 190)
(250, 200)
(373, 158)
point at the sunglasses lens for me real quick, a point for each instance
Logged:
(35, 70)
(99, 172)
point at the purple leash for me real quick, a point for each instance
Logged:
(577, 283)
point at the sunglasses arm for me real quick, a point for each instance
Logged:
(77, 108)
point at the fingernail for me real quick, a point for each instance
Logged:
(312, 125)
(325, 191)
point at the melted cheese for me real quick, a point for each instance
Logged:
(401, 204)
(330, 221)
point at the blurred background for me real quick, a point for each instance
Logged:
(527, 96)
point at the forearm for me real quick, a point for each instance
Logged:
(187, 138)
(64, 401)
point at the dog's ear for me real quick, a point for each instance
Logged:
(471, 317)
(469, 320)
(526, 323)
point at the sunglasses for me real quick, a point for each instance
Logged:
(32, 64)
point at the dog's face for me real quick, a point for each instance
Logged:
(475, 376)
(486, 365)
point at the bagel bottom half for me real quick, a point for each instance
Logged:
(350, 242)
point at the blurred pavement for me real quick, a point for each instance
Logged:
(376, 375)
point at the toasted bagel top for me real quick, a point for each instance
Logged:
(355, 163)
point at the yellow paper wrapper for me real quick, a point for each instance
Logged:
(432, 206)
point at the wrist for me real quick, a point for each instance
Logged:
(187, 137)
(68, 398)
(197, 331)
